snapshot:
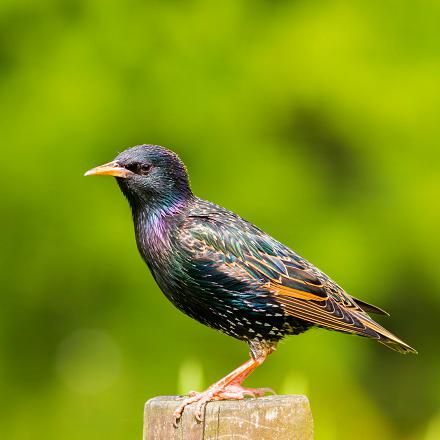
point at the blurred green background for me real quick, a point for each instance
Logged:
(316, 120)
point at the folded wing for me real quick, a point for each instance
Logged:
(299, 287)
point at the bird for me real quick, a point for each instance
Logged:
(227, 273)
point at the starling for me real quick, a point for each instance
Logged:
(228, 274)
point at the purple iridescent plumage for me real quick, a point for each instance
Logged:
(224, 271)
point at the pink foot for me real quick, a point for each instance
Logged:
(228, 392)
(238, 392)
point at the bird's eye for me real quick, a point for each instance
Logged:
(143, 169)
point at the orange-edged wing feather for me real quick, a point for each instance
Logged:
(300, 288)
(308, 294)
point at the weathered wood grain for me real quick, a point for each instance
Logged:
(265, 418)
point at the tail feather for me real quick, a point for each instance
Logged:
(398, 345)
(370, 308)
(385, 337)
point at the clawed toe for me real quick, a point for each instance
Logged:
(258, 392)
(199, 409)
(194, 396)
(232, 391)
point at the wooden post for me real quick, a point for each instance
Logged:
(264, 418)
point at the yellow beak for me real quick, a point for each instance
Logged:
(109, 169)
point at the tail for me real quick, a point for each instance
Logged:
(398, 345)
(376, 331)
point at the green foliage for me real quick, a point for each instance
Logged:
(316, 120)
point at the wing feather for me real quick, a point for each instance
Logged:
(300, 288)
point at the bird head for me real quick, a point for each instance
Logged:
(148, 175)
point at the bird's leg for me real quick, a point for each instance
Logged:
(229, 387)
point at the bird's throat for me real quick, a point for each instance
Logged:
(154, 225)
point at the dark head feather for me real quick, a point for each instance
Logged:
(159, 178)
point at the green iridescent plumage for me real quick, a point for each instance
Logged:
(224, 271)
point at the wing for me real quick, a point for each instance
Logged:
(301, 289)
